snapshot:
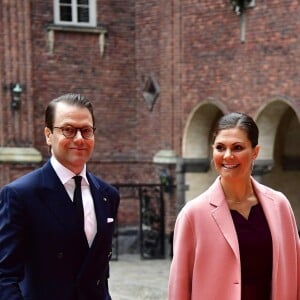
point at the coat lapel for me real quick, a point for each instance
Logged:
(221, 214)
(272, 215)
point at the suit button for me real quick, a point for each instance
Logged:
(60, 255)
(98, 282)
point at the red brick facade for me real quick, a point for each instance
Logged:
(193, 51)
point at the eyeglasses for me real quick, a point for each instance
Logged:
(70, 132)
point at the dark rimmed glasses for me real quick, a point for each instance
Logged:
(70, 132)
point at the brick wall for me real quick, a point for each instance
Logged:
(192, 49)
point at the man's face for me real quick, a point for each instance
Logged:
(74, 152)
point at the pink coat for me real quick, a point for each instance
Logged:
(206, 263)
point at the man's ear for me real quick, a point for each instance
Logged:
(48, 135)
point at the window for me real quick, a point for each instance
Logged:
(75, 12)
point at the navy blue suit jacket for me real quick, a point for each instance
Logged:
(44, 254)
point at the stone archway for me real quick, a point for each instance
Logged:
(278, 163)
(195, 164)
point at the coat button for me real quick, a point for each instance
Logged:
(60, 255)
(98, 282)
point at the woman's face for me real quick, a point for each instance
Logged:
(233, 154)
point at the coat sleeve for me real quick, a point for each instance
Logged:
(297, 243)
(180, 280)
(12, 232)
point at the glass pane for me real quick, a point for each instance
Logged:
(82, 2)
(65, 1)
(83, 14)
(66, 13)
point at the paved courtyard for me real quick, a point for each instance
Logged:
(133, 278)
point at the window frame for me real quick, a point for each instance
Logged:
(92, 14)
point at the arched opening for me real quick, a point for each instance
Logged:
(196, 170)
(280, 150)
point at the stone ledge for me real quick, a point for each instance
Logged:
(20, 155)
(165, 157)
(81, 29)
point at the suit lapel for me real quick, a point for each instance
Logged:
(101, 210)
(56, 198)
(100, 204)
(221, 214)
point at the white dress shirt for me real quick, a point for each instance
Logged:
(66, 177)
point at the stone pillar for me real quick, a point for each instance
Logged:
(188, 165)
(180, 184)
(261, 167)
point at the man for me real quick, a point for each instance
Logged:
(55, 245)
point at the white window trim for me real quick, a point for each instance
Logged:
(92, 13)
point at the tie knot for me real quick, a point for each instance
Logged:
(77, 180)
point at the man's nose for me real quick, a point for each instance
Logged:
(78, 134)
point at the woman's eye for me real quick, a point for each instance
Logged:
(219, 147)
(238, 148)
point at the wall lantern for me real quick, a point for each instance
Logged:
(16, 91)
(166, 180)
(238, 6)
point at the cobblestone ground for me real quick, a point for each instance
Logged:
(133, 278)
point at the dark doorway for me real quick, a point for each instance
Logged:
(141, 221)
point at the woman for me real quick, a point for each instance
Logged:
(238, 240)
